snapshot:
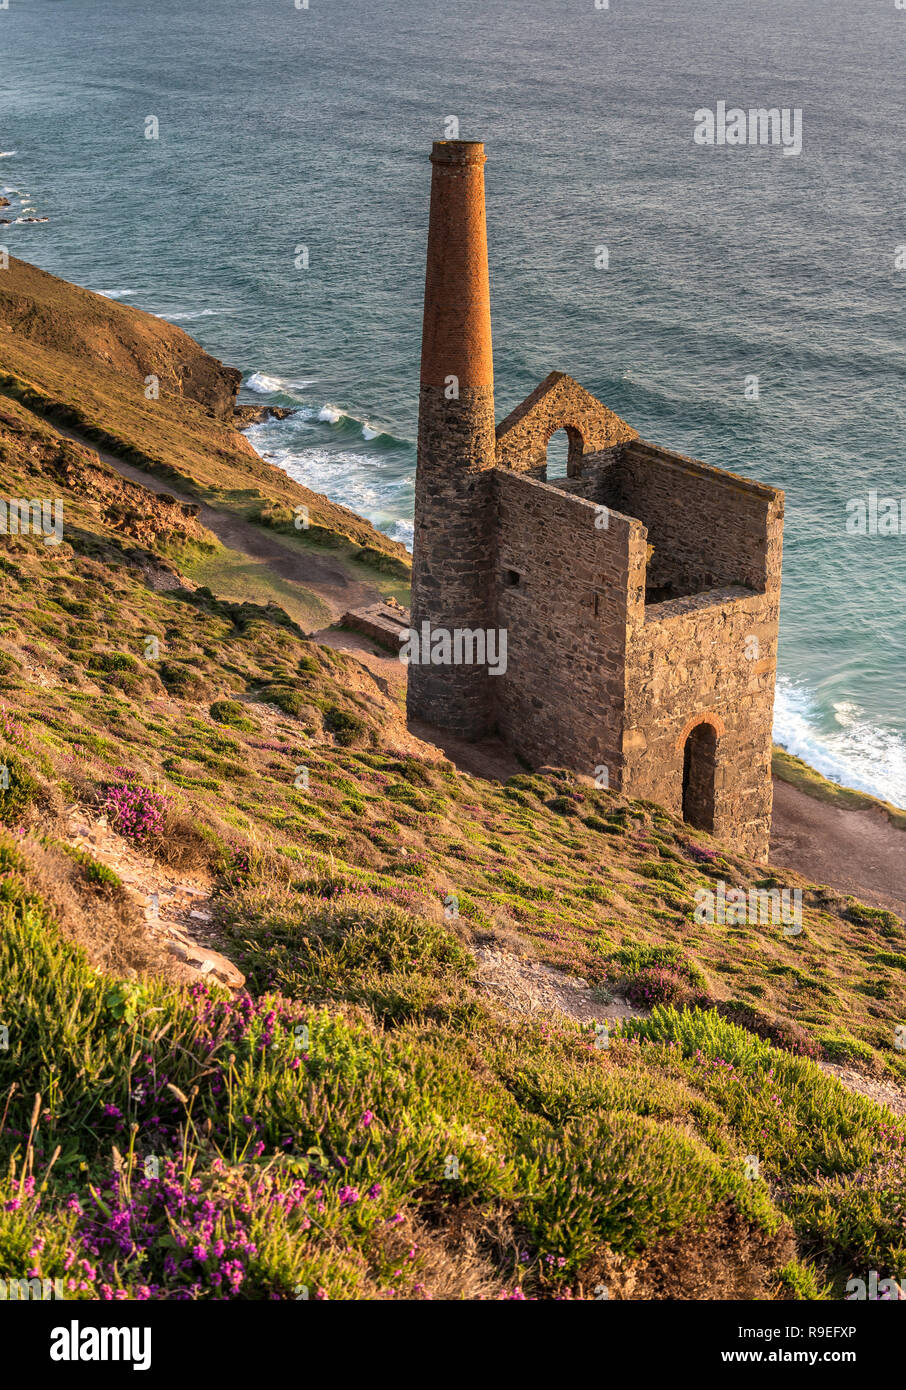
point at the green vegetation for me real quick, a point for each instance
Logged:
(234, 714)
(367, 1118)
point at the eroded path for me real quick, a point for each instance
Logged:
(176, 907)
(325, 576)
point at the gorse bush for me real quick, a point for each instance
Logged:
(19, 790)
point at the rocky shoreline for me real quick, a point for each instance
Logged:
(246, 415)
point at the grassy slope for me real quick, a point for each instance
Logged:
(83, 361)
(299, 1137)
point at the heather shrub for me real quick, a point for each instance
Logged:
(657, 984)
(234, 714)
(660, 872)
(290, 701)
(346, 728)
(321, 1132)
(842, 1047)
(857, 1217)
(701, 854)
(630, 961)
(136, 812)
(783, 1033)
(863, 916)
(894, 958)
(668, 1182)
(317, 948)
(103, 663)
(182, 681)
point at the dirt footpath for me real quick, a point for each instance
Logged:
(325, 576)
(858, 852)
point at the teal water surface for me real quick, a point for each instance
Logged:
(282, 127)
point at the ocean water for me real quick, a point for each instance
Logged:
(282, 128)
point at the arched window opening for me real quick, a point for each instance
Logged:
(699, 771)
(565, 451)
(557, 455)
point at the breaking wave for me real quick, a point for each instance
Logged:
(841, 743)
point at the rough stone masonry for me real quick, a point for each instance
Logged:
(640, 592)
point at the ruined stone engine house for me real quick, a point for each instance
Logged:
(640, 593)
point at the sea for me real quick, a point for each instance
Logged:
(257, 172)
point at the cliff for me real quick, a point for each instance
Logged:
(74, 324)
(82, 361)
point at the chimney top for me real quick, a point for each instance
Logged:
(458, 152)
(456, 338)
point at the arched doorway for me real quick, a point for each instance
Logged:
(699, 769)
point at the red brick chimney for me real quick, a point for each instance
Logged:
(456, 337)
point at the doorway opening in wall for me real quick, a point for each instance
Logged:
(699, 771)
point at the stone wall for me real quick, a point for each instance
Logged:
(708, 528)
(558, 403)
(560, 593)
(707, 659)
(600, 675)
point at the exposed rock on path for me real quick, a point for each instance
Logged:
(530, 987)
(175, 907)
(881, 1092)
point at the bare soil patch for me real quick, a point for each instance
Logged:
(857, 852)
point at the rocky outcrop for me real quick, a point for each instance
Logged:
(246, 415)
(151, 518)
